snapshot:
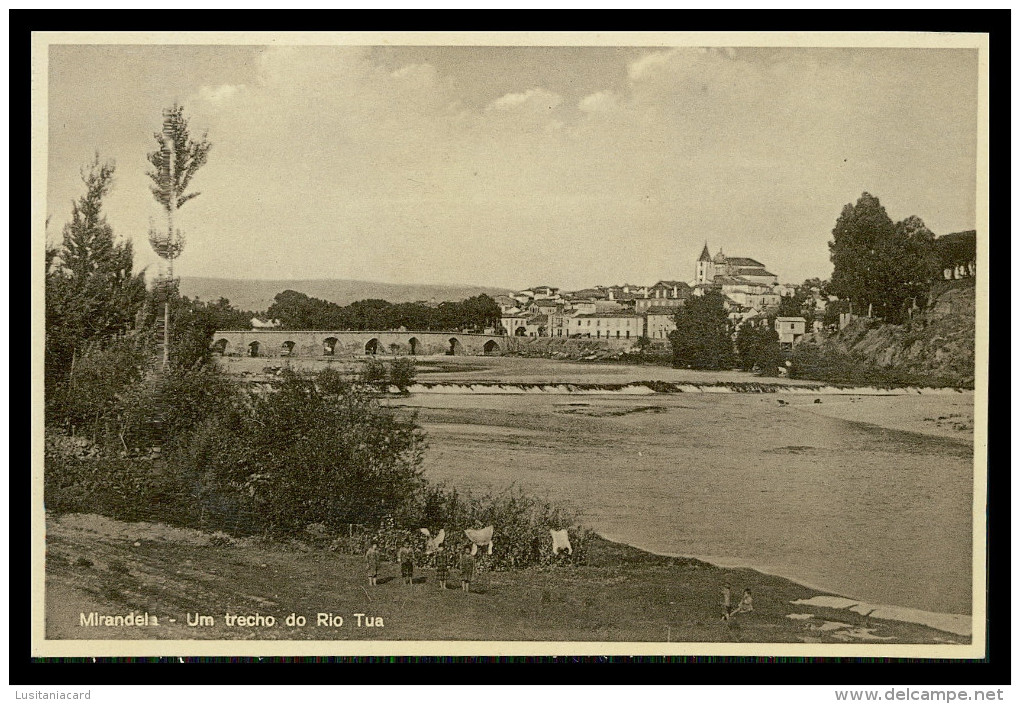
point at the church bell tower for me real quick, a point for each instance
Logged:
(704, 270)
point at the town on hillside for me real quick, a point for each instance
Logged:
(752, 296)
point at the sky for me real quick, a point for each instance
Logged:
(516, 166)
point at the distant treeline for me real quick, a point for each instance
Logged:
(298, 311)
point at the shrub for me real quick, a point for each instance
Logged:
(373, 374)
(402, 373)
(297, 456)
(128, 489)
(521, 524)
(87, 402)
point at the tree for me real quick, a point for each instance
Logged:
(643, 343)
(193, 323)
(920, 258)
(790, 306)
(702, 336)
(402, 373)
(878, 263)
(92, 294)
(189, 157)
(758, 347)
(175, 163)
(857, 251)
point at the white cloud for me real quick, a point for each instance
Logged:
(216, 94)
(533, 100)
(603, 101)
(649, 62)
(337, 163)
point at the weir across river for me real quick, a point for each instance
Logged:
(347, 343)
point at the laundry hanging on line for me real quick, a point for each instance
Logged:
(432, 543)
(561, 541)
(481, 537)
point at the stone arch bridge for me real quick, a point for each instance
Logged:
(349, 343)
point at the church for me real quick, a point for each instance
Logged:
(748, 286)
(751, 270)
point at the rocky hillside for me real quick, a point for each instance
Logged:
(935, 348)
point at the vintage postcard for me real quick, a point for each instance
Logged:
(512, 343)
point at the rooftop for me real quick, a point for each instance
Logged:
(744, 261)
(753, 271)
(610, 314)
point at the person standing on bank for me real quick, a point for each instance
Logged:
(372, 560)
(405, 556)
(726, 602)
(467, 568)
(442, 566)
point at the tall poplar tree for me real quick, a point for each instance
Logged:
(189, 156)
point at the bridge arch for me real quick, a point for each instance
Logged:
(491, 347)
(287, 348)
(329, 346)
(414, 344)
(372, 346)
(455, 347)
(221, 346)
(521, 331)
(253, 348)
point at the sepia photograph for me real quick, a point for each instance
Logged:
(517, 344)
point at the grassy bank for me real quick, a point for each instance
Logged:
(97, 564)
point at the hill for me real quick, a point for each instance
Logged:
(257, 295)
(935, 348)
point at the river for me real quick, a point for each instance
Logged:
(858, 509)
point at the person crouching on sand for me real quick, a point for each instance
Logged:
(467, 568)
(372, 560)
(405, 556)
(442, 566)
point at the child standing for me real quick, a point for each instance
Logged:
(442, 566)
(467, 568)
(372, 560)
(405, 556)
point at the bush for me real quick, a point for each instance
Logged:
(87, 403)
(129, 489)
(373, 374)
(402, 373)
(297, 456)
(521, 525)
(811, 361)
(168, 405)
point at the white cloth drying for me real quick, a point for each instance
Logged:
(432, 543)
(561, 541)
(479, 538)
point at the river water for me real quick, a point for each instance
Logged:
(853, 508)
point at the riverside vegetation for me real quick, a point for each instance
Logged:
(314, 457)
